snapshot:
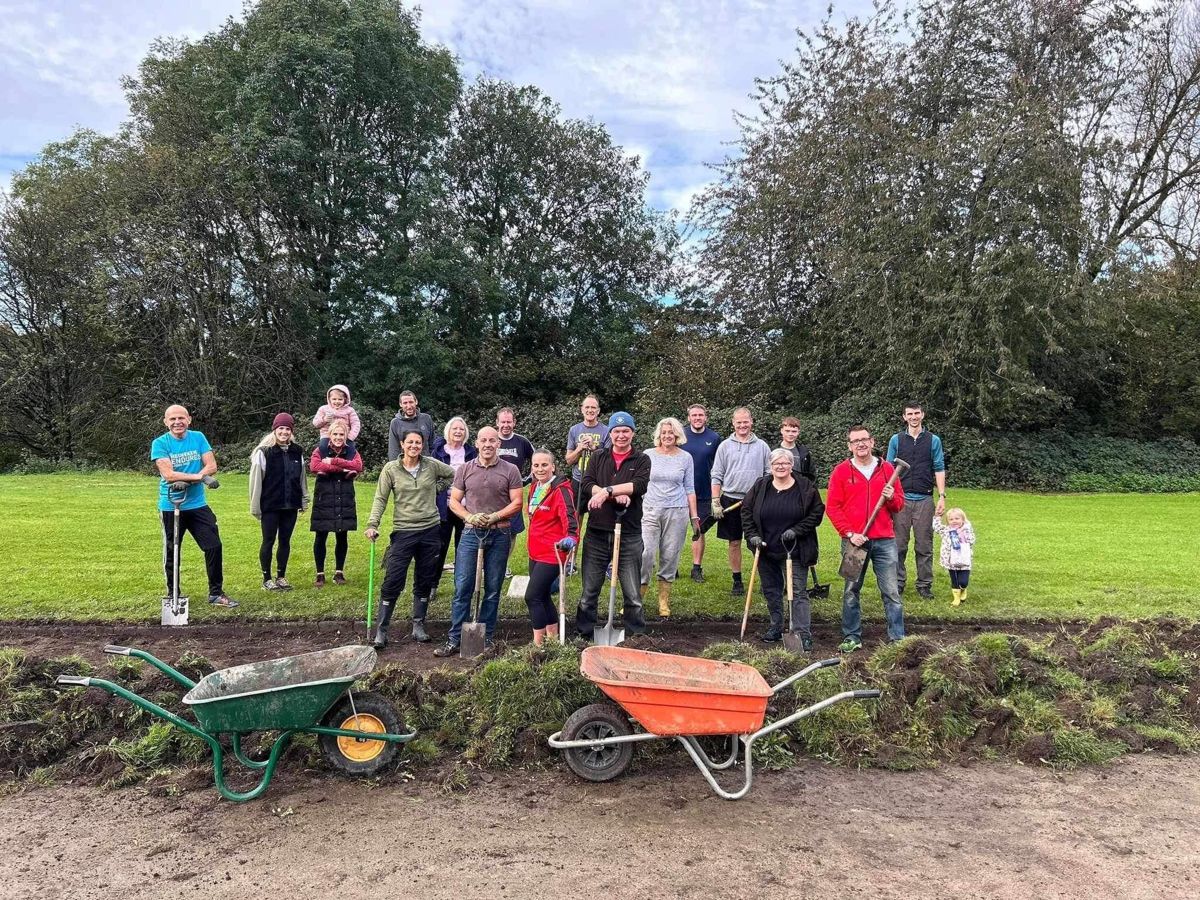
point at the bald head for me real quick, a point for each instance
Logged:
(487, 442)
(177, 420)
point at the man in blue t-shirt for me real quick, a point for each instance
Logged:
(183, 456)
(701, 442)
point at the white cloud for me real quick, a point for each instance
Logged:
(664, 76)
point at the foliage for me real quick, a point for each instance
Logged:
(935, 200)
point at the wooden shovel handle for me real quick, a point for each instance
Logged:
(750, 591)
(899, 466)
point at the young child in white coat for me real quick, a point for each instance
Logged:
(958, 545)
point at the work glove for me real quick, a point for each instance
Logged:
(754, 541)
(566, 545)
(210, 482)
(478, 520)
(789, 535)
(718, 511)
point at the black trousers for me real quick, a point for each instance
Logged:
(277, 524)
(449, 532)
(539, 595)
(202, 524)
(340, 545)
(406, 546)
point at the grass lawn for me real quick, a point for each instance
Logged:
(88, 547)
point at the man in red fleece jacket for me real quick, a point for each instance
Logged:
(855, 486)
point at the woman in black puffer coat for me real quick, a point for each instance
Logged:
(336, 463)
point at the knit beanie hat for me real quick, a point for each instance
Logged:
(283, 420)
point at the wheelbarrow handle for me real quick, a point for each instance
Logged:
(117, 650)
(872, 694)
(811, 667)
(74, 680)
(172, 673)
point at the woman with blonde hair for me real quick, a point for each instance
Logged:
(453, 448)
(669, 504)
(278, 493)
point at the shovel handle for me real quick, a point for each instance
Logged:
(73, 680)
(117, 650)
(750, 591)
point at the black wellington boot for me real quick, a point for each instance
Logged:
(420, 607)
(381, 632)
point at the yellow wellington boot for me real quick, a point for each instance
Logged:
(956, 593)
(642, 591)
(664, 598)
(962, 595)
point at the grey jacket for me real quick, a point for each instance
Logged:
(422, 422)
(738, 465)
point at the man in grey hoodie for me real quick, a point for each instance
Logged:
(741, 460)
(409, 418)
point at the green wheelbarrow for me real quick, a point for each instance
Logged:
(359, 733)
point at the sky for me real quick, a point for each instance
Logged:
(664, 76)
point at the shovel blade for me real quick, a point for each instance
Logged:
(608, 636)
(471, 643)
(793, 642)
(174, 613)
(853, 561)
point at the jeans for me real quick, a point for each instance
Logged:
(772, 575)
(494, 542)
(597, 554)
(663, 532)
(916, 516)
(881, 553)
(959, 578)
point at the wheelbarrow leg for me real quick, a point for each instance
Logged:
(268, 770)
(700, 758)
(245, 760)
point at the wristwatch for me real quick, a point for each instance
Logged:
(609, 490)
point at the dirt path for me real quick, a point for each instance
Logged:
(1128, 830)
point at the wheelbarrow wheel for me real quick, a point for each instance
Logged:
(360, 756)
(602, 762)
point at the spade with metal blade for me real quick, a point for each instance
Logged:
(792, 640)
(472, 641)
(606, 635)
(174, 607)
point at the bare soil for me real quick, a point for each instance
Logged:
(230, 644)
(1129, 830)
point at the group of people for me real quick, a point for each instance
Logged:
(447, 491)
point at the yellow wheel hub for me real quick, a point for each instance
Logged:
(361, 750)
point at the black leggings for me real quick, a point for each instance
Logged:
(959, 578)
(340, 545)
(276, 523)
(538, 594)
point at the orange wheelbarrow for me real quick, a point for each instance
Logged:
(681, 697)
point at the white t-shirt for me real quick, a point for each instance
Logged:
(867, 471)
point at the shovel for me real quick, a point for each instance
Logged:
(471, 642)
(855, 558)
(606, 635)
(791, 640)
(370, 589)
(175, 608)
(750, 591)
(818, 590)
(710, 521)
(562, 596)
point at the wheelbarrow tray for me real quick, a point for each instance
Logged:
(292, 692)
(671, 695)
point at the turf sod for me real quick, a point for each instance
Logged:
(88, 547)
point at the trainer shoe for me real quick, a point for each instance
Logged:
(697, 574)
(849, 645)
(925, 593)
(282, 584)
(738, 590)
(319, 581)
(447, 649)
(807, 643)
(270, 585)
(223, 600)
(339, 578)
(771, 636)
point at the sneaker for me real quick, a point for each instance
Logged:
(339, 578)
(282, 584)
(738, 590)
(849, 645)
(807, 643)
(319, 581)
(771, 636)
(925, 593)
(447, 649)
(448, 567)
(697, 575)
(571, 569)
(223, 600)
(270, 585)
(508, 573)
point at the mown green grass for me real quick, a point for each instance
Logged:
(88, 547)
